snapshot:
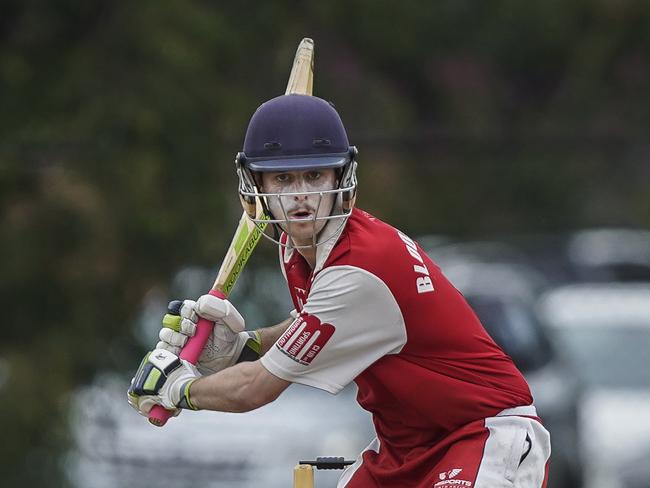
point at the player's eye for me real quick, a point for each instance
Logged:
(313, 175)
(283, 178)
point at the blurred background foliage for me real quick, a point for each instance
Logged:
(120, 121)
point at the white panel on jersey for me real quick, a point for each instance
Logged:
(285, 253)
(367, 323)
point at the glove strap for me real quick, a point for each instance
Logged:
(253, 347)
(185, 397)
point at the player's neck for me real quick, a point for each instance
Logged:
(309, 253)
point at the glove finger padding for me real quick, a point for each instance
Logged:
(187, 311)
(174, 339)
(173, 349)
(215, 309)
(175, 328)
(188, 327)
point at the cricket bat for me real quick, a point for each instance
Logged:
(247, 235)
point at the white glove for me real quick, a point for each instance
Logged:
(162, 379)
(227, 345)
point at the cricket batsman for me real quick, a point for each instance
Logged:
(449, 407)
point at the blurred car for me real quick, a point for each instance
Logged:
(114, 446)
(589, 255)
(503, 297)
(610, 255)
(449, 253)
(605, 330)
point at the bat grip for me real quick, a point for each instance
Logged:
(191, 352)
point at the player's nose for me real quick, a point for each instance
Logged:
(301, 186)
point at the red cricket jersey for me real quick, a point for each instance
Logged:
(376, 310)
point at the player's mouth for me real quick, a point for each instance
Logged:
(300, 214)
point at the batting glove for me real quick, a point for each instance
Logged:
(227, 345)
(162, 379)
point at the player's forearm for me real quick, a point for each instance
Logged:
(241, 388)
(225, 391)
(271, 334)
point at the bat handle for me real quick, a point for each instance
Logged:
(191, 352)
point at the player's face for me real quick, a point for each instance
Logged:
(303, 203)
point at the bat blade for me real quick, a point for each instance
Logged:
(247, 235)
(301, 80)
(243, 242)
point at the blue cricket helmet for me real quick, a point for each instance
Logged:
(295, 133)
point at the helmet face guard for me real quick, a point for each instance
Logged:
(341, 207)
(297, 133)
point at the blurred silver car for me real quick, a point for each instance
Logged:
(610, 254)
(605, 330)
(597, 255)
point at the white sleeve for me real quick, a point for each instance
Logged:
(349, 321)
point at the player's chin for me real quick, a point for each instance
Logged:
(301, 231)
